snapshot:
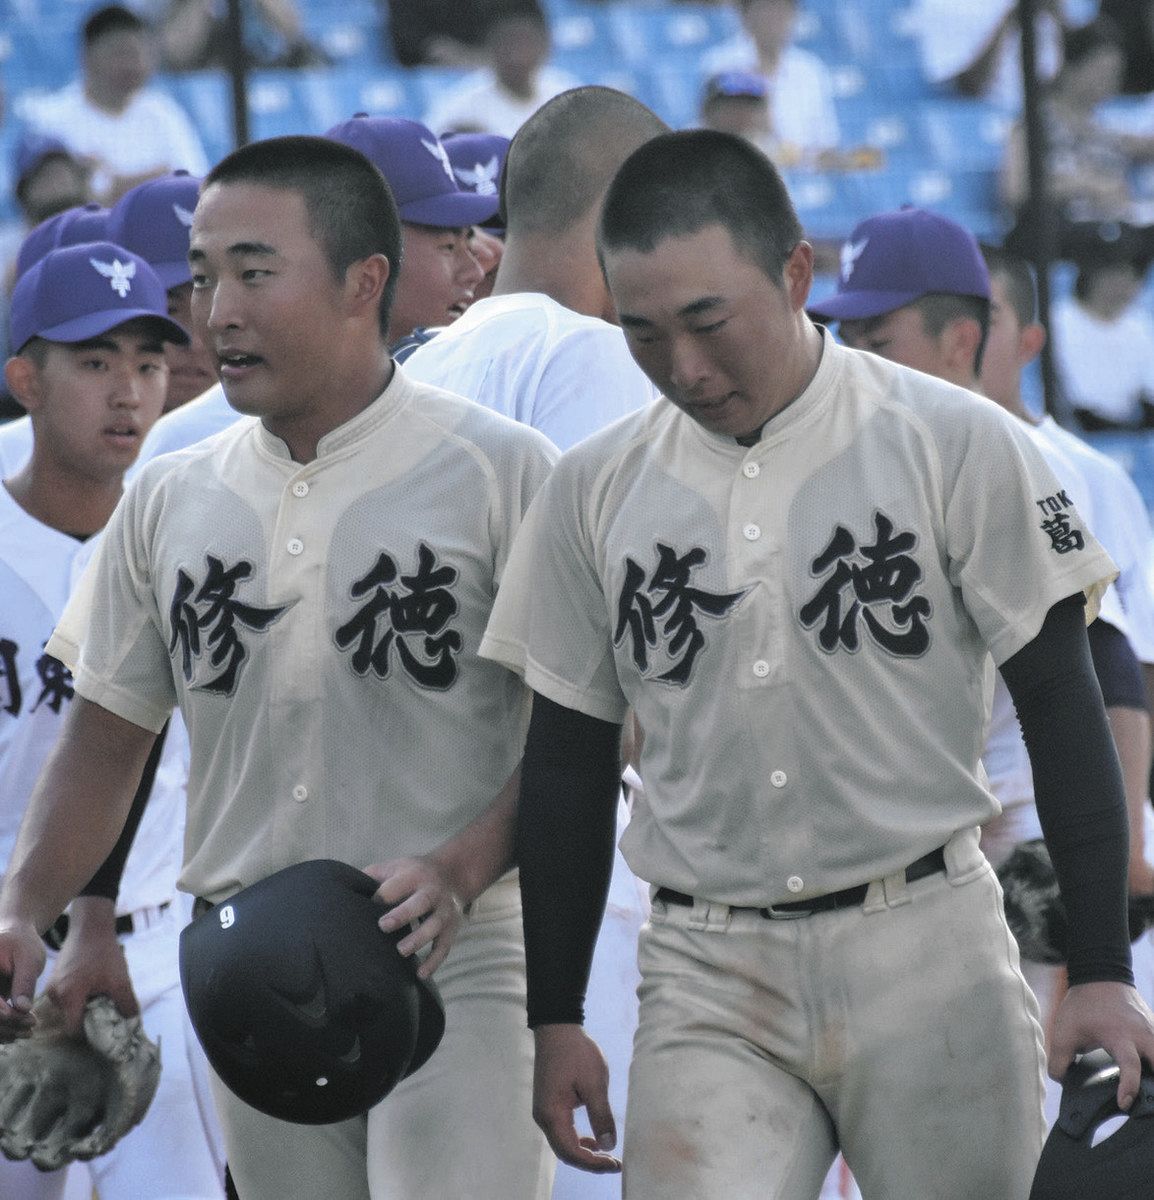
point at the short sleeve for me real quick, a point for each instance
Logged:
(550, 622)
(1015, 542)
(110, 634)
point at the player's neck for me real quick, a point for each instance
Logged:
(565, 269)
(65, 500)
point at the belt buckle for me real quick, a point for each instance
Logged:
(776, 914)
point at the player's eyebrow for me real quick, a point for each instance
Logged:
(238, 250)
(693, 309)
(96, 343)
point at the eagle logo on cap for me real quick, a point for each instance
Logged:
(183, 215)
(118, 274)
(441, 155)
(481, 177)
(850, 253)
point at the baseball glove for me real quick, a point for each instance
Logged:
(1034, 910)
(65, 1097)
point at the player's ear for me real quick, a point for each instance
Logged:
(365, 283)
(1030, 343)
(960, 341)
(799, 275)
(22, 377)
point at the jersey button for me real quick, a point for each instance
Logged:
(751, 470)
(300, 488)
(779, 779)
(300, 792)
(295, 546)
(761, 668)
(752, 532)
(795, 883)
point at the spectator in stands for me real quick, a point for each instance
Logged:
(735, 102)
(802, 119)
(195, 34)
(1104, 340)
(124, 129)
(516, 81)
(1089, 163)
(1135, 21)
(975, 48)
(442, 33)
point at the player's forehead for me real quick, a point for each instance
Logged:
(679, 274)
(233, 218)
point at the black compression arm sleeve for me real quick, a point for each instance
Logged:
(106, 881)
(1078, 789)
(1117, 667)
(566, 830)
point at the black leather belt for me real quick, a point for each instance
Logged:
(928, 864)
(55, 936)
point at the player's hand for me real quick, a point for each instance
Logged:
(418, 892)
(22, 956)
(570, 1072)
(1110, 1016)
(1140, 880)
(91, 963)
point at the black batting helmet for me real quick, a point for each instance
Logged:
(303, 1005)
(1121, 1165)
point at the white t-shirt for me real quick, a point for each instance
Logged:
(152, 132)
(39, 567)
(479, 102)
(951, 35)
(15, 446)
(532, 359)
(209, 413)
(801, 104)
(1104, 365)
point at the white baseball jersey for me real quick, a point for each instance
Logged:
(318, 625)
(209, 413)
(803, 627)
(538, 362)
(38, 570)
(15, 446)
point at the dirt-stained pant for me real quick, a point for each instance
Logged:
(461, 1126)
(902, 1031)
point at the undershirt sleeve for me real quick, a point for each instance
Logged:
(566, 829)
(1077, 788)
(106, 881)
(1116, 666)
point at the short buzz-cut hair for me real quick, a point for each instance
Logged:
(564, 156)
(1018, 277)
(939, 309)
(112, 18)
(680, 183)
(351, 211)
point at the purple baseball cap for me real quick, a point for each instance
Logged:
(79, 292)
(84, 223)
(414, 162)
(477, 160)
(895, 258)
(153, 220)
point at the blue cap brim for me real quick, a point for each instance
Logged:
(92, 325)
(449, 210)
(860, 306)
(173, 274)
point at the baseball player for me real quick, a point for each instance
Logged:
(539, 350)
(795, 569)
(82, 223)
(89, 325)
(916, 289)
(435, 289)
(311, 587)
